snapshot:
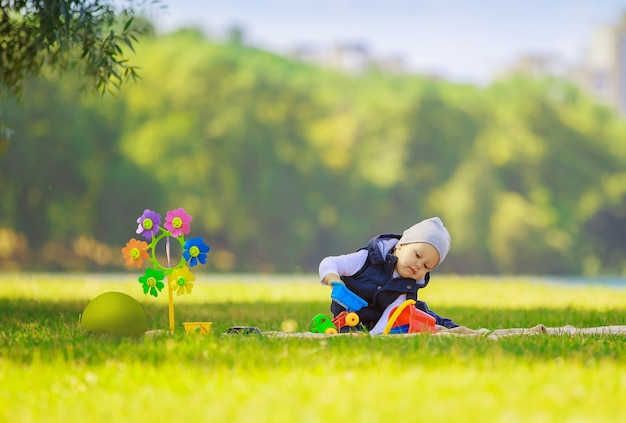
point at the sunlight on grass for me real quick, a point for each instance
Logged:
(447, 291)
(328, 388)
(521, 293)
(51, 371)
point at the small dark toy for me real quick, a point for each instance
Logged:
(243, 330)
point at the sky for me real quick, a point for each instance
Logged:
(460, 40)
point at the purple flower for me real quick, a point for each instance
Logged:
(149, 223)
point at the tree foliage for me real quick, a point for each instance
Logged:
(63, 35)
(282, 163)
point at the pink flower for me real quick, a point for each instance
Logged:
(177, 222)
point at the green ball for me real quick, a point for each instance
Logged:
(114, 313)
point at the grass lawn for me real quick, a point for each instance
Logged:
(50, 370)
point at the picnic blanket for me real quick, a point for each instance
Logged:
(535, 330)
(539, 329)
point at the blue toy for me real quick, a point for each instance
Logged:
(346, 298)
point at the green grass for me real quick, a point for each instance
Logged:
(52, 371)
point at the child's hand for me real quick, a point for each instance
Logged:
(330, 278)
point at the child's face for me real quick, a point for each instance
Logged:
(415, 259)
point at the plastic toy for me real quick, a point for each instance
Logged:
(197, 328)
(346, 318)
(322, 324)
(347, 299)
(114, 313)
(180, 279)
(243, 330)
(405, 318)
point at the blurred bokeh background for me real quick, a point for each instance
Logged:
(292, 130)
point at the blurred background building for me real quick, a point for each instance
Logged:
(353, 58)
(602, 71)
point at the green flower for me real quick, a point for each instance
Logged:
(152, 281)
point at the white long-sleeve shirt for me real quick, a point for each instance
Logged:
(349, 264)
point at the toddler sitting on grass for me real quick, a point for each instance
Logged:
(390, 270)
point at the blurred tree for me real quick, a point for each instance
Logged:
(73, 183)
(441, 135)
(226, 138)
(607, 231)
(281, 163)
(38, 36)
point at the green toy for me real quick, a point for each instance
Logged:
(322, 324)
(114, 313)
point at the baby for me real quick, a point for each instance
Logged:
(390, 270)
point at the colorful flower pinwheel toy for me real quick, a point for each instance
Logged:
(179, 277)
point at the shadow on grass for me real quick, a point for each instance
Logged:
(33, 330)
(269, 316)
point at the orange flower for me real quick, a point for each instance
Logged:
(135, 252)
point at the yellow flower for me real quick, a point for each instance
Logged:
(181, 280)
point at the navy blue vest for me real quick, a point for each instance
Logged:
(375, 283)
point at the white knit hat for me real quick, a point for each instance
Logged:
(430, 231)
